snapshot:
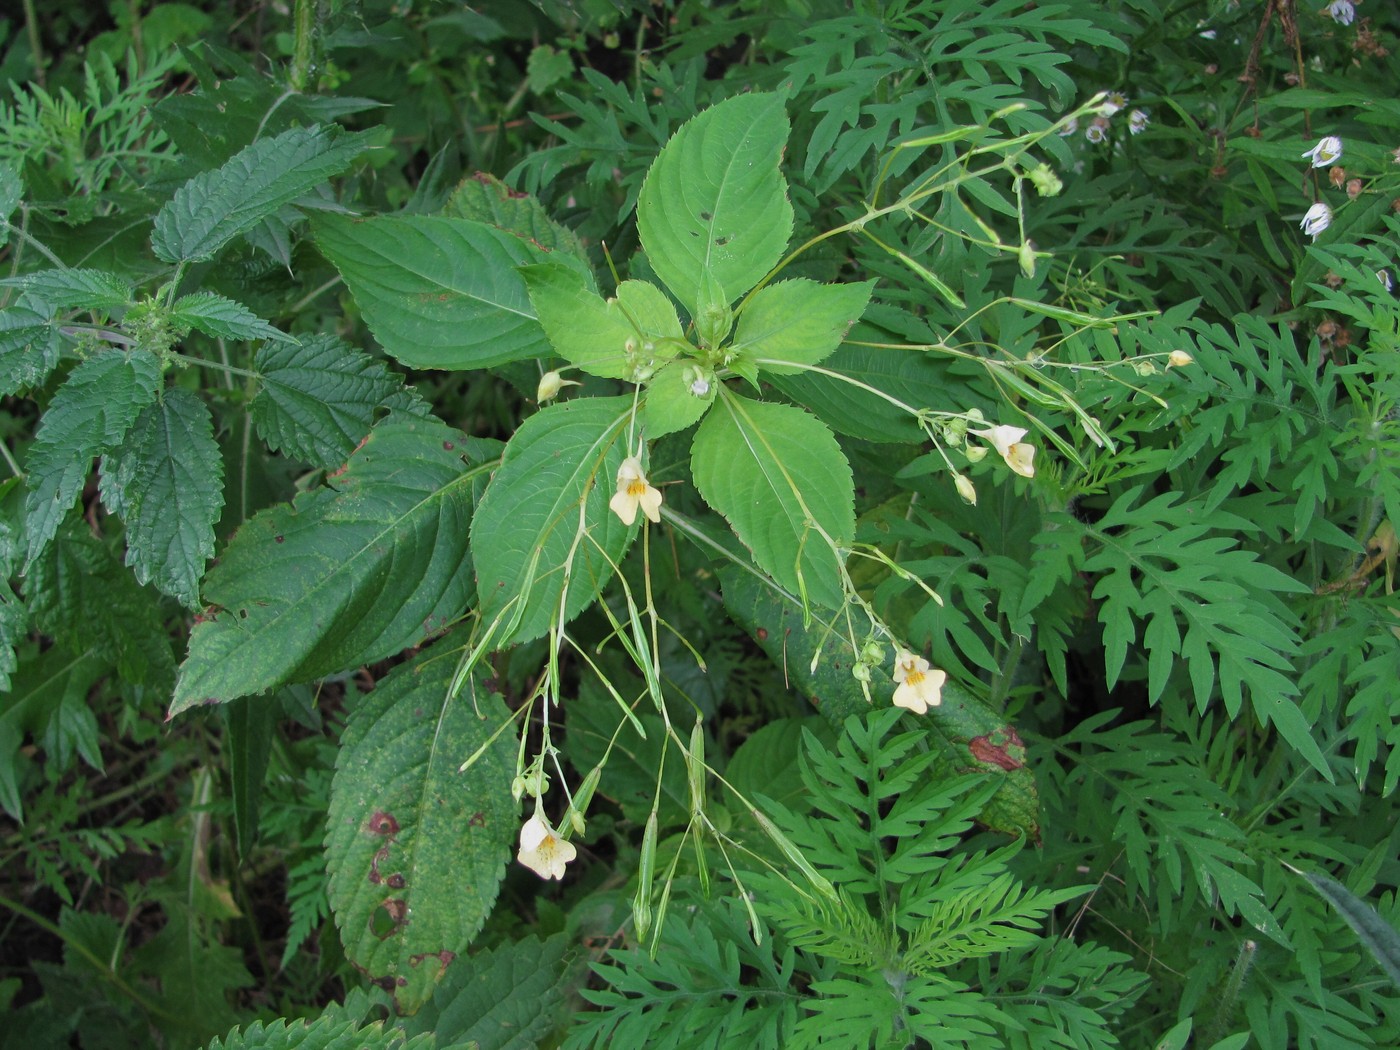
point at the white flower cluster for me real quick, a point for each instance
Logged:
(1114, 103)
(1324, 155)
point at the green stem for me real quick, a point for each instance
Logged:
(304, 38)
(36, 45)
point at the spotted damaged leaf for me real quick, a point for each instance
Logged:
(415, 849)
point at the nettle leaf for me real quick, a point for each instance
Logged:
(223, 318)
(415, 849)
(970, 735)
(75, 289)
(799, 322)
(345, 575)
(29, 345)
(319, 398)
(627, 337)
(554, 483)
(14, 617)
(486, 199)
(502, 999)
(439, 292)
(715, 199)
(11, 192)
(324, 1033)
(779, 478)
(213, 208)
(89, 415)
(166, 483)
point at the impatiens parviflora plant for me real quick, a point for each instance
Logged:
(714, 222)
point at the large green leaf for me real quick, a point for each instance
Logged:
(485, 198)
(213, 208)
(782, 482)
(1381, 939)
(439, 292)
(347, 574)
(503, 999)
(75, 288)
(415, 849)
(324, 1033)
(556, 478)
(628, 337)
(166, 484)
(971, 736)
(29, 344)
(319, 398)
(715, 199)
(89, 415)
(800, 322)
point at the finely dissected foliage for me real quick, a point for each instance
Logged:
(419, 495)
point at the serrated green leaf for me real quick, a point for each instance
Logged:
(716, 200)
(798, 322)
(89, 415)
(75, 289)
(324, 1033)
(484, 198)
(11, 192)
(319, 398)
(677, 396)
(779, 478)
(213, 208)
(502, 999)
(1381, 939)
(346, 574)
(223, 318)
(439, 292)
(415, 849)
(554, 483)
(628, 337)
(249, 728)
(165, 481)
(29, 345)
(14, 617)
(971, 736)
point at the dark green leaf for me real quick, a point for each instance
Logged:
(89, 415)
(1381, 939)
(249, 728)
(223, 318)
(320, 397)
(324, 1033)
(438, 292)
(215, 207)
(76, 289)
(415, 849)
(29, 345)
(166, 484)
(347, 574)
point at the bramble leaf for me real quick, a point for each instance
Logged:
(545, 517)
(166, 484)
(439, 292)
(216, 206)
(346, 574)
(90, 414)
(319, 398)
(779, 478)
(715, 199)
(415, 849)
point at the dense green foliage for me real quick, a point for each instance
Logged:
(893, 505)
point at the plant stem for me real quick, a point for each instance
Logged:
(303, 35)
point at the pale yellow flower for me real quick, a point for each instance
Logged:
(633, 492)
(542, 851)
(550, 385)
(919, 688)
(1007, 441)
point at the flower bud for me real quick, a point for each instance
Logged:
(1179, 359)
(1353, 188)
(965, 487)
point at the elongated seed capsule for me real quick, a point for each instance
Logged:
(641, 904)
(695, 767)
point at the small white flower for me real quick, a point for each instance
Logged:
(1386, 281)
(633, 492)
(1072, 125)
(1318, 218)
(919, 687)
(1007, 441)
(1112, 103)
(1138, 121)
(1342, 11)
(1097, 131)
(542, 851)
(1326, 153)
